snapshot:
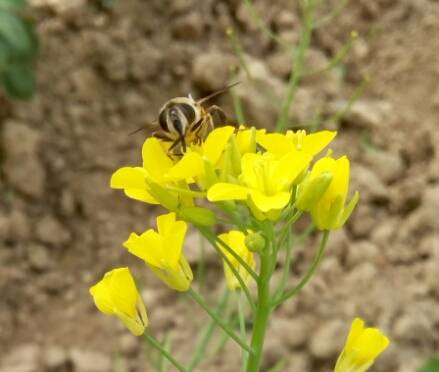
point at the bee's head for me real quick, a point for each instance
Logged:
(178, 114)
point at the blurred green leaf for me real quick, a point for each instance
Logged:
(431, 366)
(15, 31)
(5, 52)
(14, 5)
(18, 81)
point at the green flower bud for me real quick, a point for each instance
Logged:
(255, 242)
(197, 216)
(163, 196)
(311, 190)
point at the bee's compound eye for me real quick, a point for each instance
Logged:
(188, 111)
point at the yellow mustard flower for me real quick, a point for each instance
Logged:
(162, 251)
(193, 162)
(363, 346)
(265, 182)
(236, 241)
(280, 144)
(328, 211)
(116, 294)
(156, 164)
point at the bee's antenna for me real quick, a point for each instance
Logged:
(204, 99)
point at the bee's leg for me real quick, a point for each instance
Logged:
(163, 135)
(217, 112)
(174, 145)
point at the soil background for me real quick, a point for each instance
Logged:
(107, 67)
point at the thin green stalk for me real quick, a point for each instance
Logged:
(354, 97)
(239, 51)
(308, 275)
(339, 57)
(287, 226)
(163, 364)
(262, 314)
(200, 350)
(297, 65)
(197, 298)
(237, 105)
(329, 17)
(186, 192)
(153, 342)
(287, 264)
(262, 26)
(235, 255)
(241, 314)
(201, 264)
(235, 272)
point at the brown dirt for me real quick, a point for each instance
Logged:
(103, 73)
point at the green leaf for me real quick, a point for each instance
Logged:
(15, 32)
(431, 366)
(19, 82)
(13, 5)
(5, 53)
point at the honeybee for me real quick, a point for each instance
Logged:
(184, 121)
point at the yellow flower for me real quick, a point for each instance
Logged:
(265, 182)
(116, 294)
(280, 144)
(133, 180)
(236, 241)
(193, 162)
(362, 347)
(162, 251)
(328, 210)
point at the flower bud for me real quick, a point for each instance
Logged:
(255, 242)
(311, 190)
(197, 216)
(164, 197)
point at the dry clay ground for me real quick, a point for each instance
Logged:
(103, 73)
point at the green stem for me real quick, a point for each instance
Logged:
(309, 273)
(197, 298)
(262, 314)
(242, 330)
(163, 351)
(286, 268)
(297, 65)
(207, 334)
(286, 228)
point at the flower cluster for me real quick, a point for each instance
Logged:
(266, 172)
(249, 177)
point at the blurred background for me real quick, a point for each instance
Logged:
(104, 69)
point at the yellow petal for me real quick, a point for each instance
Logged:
(249, 162)
(357, 327)
(165, 223)
(141, 195)
(148, 247)
(216, 142)
(101, 297)
(266, 203)
(123, 291)
(188, 167)
(276, 143)
(155, 159)
(289, 167)
(315, 142)
(128, 178)
(227, 191)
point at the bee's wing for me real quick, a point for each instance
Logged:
(142, 128)
(218, 92)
